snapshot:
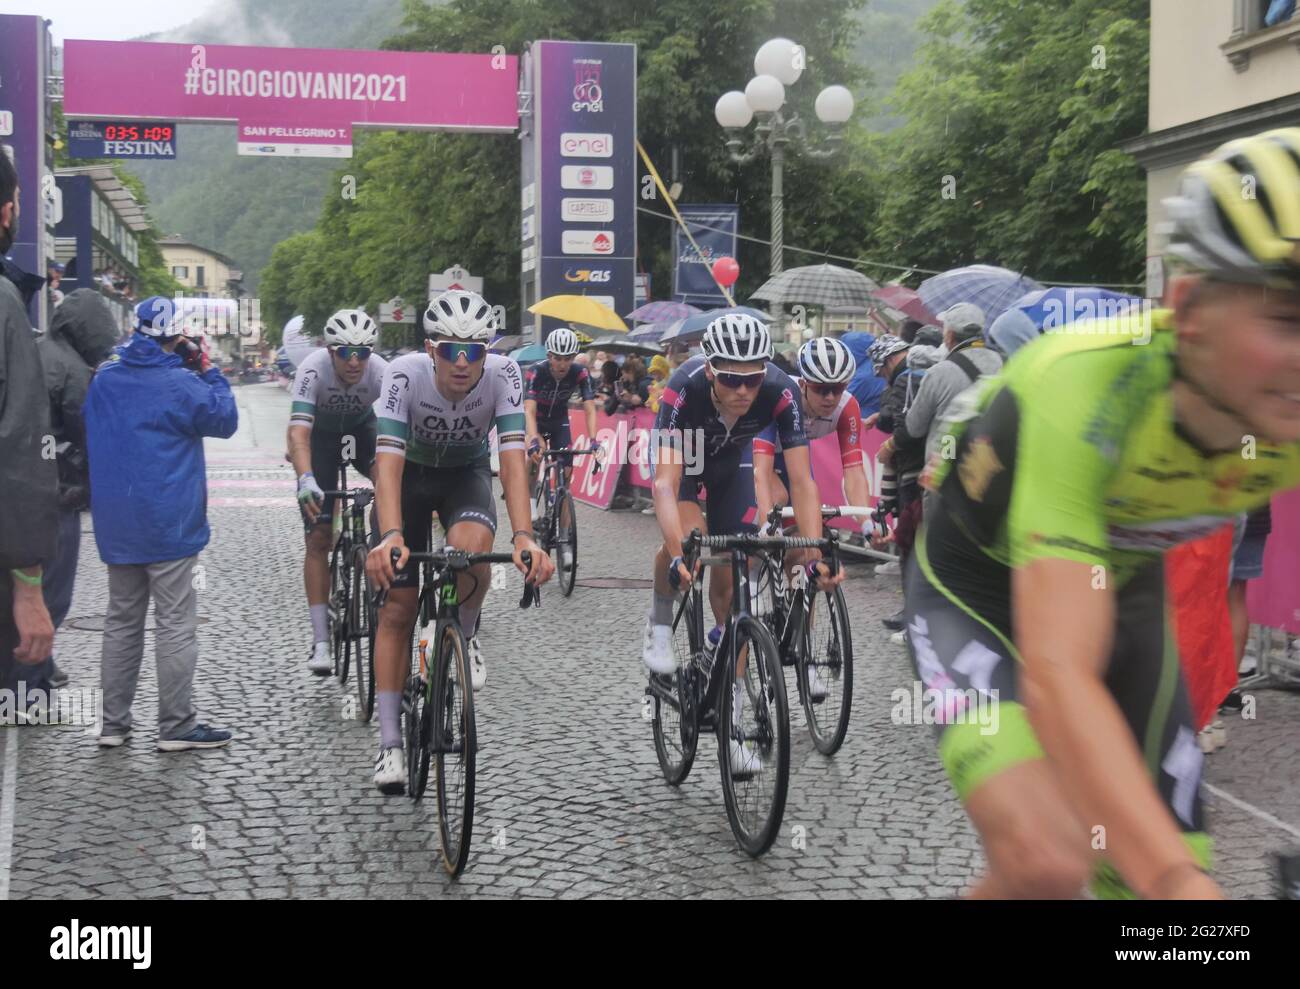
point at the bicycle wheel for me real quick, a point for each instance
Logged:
(826, 656)
(454, 734)
(676, 719)
(415, 707)
(566, 543)
(363, 623)
(542, 501)
(336, 611)
(755, 778)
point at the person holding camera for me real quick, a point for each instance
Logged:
(148, 409)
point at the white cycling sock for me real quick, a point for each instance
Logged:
(320, 624)
(390, 718)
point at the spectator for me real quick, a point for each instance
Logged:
(967, 360)
(607, 389)
(659, 371)
(53, 276)
(900, 484)
(1011, 331)
(82, 334)
(633, 386)
(677, 354)
(931, 336)
(907, 333)
(146, 415)
(866, 386)
(27, 534)
(1247, 564)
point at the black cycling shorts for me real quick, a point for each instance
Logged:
(558, 436)
(730, 503)
(959, 634)
(327, 449)
(457, 494)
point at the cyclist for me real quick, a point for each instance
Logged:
(712, 408)
(1036, 584)
(331, 421)
(546, 401)
(825, 368)
(435, 411)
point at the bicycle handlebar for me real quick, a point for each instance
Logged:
(830, 512)
(459, 559)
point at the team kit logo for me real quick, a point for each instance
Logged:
(586, 86)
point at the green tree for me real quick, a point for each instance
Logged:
(1009, 155)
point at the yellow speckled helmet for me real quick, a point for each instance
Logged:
(1237, 213)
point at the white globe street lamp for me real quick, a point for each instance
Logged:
(834, 105)
(782, 58)
(779, 63)
(733, 110)
(765, 94)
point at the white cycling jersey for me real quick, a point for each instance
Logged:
(417, 421)
(322, 400)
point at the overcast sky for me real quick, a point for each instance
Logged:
(117, 20)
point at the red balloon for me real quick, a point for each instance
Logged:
(726, 271)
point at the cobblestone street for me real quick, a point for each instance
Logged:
(570, 802)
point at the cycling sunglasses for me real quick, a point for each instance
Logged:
(732, 380)
(450, 351)
(347, 353)
(828, 391)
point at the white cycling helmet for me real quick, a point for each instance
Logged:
(562, 342)
(350, 328)
(737, 337)
(460, 314)
(826, 361)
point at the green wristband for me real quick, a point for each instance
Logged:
(29, 581)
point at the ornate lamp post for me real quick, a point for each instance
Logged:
(779, 63)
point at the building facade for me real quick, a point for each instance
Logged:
(214, 290)
(97, 237)
(1218, 72)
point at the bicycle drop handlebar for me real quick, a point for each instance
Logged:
(459, 559)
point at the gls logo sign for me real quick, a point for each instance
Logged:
(594, 276)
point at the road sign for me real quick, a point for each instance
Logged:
(395, 310)
(455, 277)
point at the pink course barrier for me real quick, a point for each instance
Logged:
(1274, 599)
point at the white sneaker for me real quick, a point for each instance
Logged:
(816, 686)
(898, 638)
(1220, 734)
(890, 569)
(390, 771)
(321, 662)
(113, 741)
(477, 669)
(657, 649)
(745, 760)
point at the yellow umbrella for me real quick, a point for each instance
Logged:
(580, 309)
